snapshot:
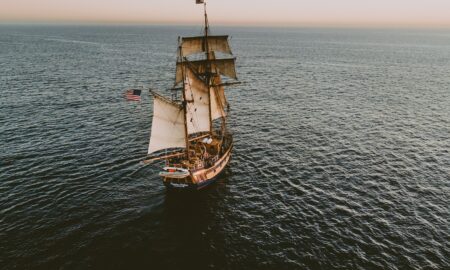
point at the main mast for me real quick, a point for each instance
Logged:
(208, 78)
(208, 67)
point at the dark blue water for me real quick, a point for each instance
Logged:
(342, 155)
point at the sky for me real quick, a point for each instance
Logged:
(423, 13)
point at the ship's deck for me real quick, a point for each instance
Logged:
(204, 157)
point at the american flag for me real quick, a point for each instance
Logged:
(133, 94)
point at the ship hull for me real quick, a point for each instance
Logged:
(201, 178)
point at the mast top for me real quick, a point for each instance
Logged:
(206, 20)
(206, 16)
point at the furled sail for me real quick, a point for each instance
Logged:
(225, 67)
(218, 100)
(197, 103)
(193, 45)
(168, 125)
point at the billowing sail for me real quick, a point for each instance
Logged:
(197, 105)
(225, 67)
(193, 45)
(218, 100)
(168, 125)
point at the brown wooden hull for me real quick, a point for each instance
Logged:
(201, 178)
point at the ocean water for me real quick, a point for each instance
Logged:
(341, 158)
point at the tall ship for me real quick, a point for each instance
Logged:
(189, 129)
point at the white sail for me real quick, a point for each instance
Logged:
(225, 67)
(218, 100)
(167, 127)
(197, 106)
(193, 45)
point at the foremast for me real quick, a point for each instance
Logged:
(184, 109)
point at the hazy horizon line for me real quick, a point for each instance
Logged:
(233, 24)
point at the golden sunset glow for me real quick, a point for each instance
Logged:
(248, 12)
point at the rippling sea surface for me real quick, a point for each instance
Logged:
(341, 161)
